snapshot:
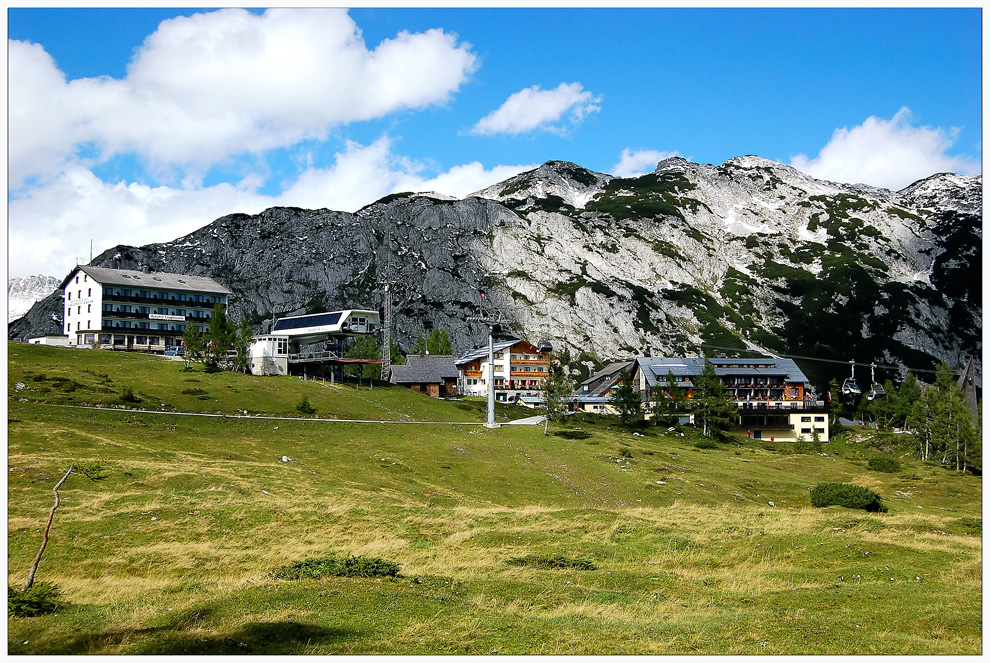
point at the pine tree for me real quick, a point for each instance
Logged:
(557, 389)
(194, 343)
(711, 403)
(667, 402)
(626, 400)
(395, 354)
(220, 337)
(943, 425)
(420, 348)
(242, 344)
(438, 343)
(365, 347)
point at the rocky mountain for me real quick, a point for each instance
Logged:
(749, 254)
(23, 292)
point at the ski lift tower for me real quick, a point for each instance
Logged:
(387, 310)
(387, 334)
(491, 319)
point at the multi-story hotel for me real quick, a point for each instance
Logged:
(128, 309)
(769, 392)
(519, 370)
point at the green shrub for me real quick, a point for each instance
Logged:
(40, 599)
(972, 525)
(706, 444)
(305, 407)
(847, 495)
(332, 565)
(884, 464)
(553, 561)
(127, 396)
(94, 470)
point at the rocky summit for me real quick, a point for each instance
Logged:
(749, 254)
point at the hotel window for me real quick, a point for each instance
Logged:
(70, 296)
(89, 292)
(77, 279)
(806, 431)
(817, 419)
(78, 310)
(819, 430)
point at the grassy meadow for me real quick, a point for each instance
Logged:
(167, 538)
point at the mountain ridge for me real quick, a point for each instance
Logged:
(749, 254)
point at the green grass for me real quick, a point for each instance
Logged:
(169, 544)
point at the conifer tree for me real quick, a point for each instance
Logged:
(710, 402)
(438, 343)
(626, 399)
(668, 401)
(557, 389)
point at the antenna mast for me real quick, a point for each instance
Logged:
(387, 322)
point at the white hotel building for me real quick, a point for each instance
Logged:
(127, 309)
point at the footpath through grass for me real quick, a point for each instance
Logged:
(170, 542)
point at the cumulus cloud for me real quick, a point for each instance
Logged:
(204, 87)
(532, 108)
(52, 224)
(634, 164)
(886, 153)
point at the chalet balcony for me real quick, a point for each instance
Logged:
(172, 301)
(762, 427)
(762, 407)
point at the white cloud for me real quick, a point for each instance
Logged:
(633, 164)
(52, 224)
(886, 153)
(532, 108)
(204, 87)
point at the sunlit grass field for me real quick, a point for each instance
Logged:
(169, 549)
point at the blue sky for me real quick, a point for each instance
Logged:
(137, 126)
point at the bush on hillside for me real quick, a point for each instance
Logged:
(553, 561)
(847, 495)
(332, 565)
(127, 396)
(884, 464)
(706, 444)
(39, 599)
(305, 407)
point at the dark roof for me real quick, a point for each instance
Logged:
(483, 352)
(684, 368)
(616, 367)
(420, 369)
(136, 278)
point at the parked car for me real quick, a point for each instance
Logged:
(175, 352)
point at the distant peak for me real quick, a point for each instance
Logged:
(752, 161)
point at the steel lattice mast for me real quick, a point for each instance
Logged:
(387, 334)
(387, 311)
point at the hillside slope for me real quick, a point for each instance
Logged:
(596, 539)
